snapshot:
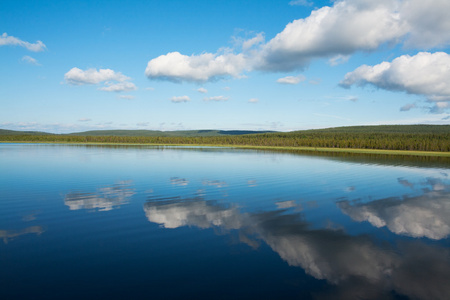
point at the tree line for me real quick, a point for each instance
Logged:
(361, 140)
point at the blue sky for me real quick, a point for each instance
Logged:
(70, 66)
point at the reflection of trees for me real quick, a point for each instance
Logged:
(356, 265)
(103, 199)
(427, 215)
(7, 235)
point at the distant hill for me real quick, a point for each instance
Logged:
(410, 129)
(150, 133)
(16, 132)
(178, 133)
(376, 129)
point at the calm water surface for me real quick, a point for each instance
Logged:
(88, 222)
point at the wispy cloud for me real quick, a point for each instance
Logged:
(7, 40)
(127, 97)
(408, 107)
(291, 79)
(253, 100)
(216, 98)
(179, 99)
(30, 60)
(300, 3)
(202, 90)
(84, 120)
(118, 87)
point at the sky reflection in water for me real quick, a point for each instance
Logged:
(287, 225)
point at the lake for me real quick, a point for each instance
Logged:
(118, 222)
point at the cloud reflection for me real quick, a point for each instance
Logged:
(179, 181)
(427, 215)
(103, 199)
(173, 213)
(356, 266)
(8, 235)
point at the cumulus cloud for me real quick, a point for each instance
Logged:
(425, 73)
(177, 67)
(112, 81)
(216, 98)
(426, 32)
(291, 79)
(179, 99)
(6, 40)
(202, 90)
(342, 29)
(30, 60)
(331, 32)
(77, 76)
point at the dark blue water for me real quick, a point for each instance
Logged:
(87, 222)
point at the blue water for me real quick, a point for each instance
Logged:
(91, 222)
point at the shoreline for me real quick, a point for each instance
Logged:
(250, 147)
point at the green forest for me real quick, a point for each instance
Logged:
(385, 137)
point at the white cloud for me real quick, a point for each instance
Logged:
(258, 39)
(253, 100)
(77, 76)
(331, 32)
(216, 98)
(177, 67)
(127, 97)
(429, 22)
(84, 120)
(118, 87)
(300, 3)
(338, 60)
(202, 90)
(6, 40)
(30, 60)
(291, 79)
(179, 99)
(342, 29)
(112, 81)
(149, 89)
(425, 74)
